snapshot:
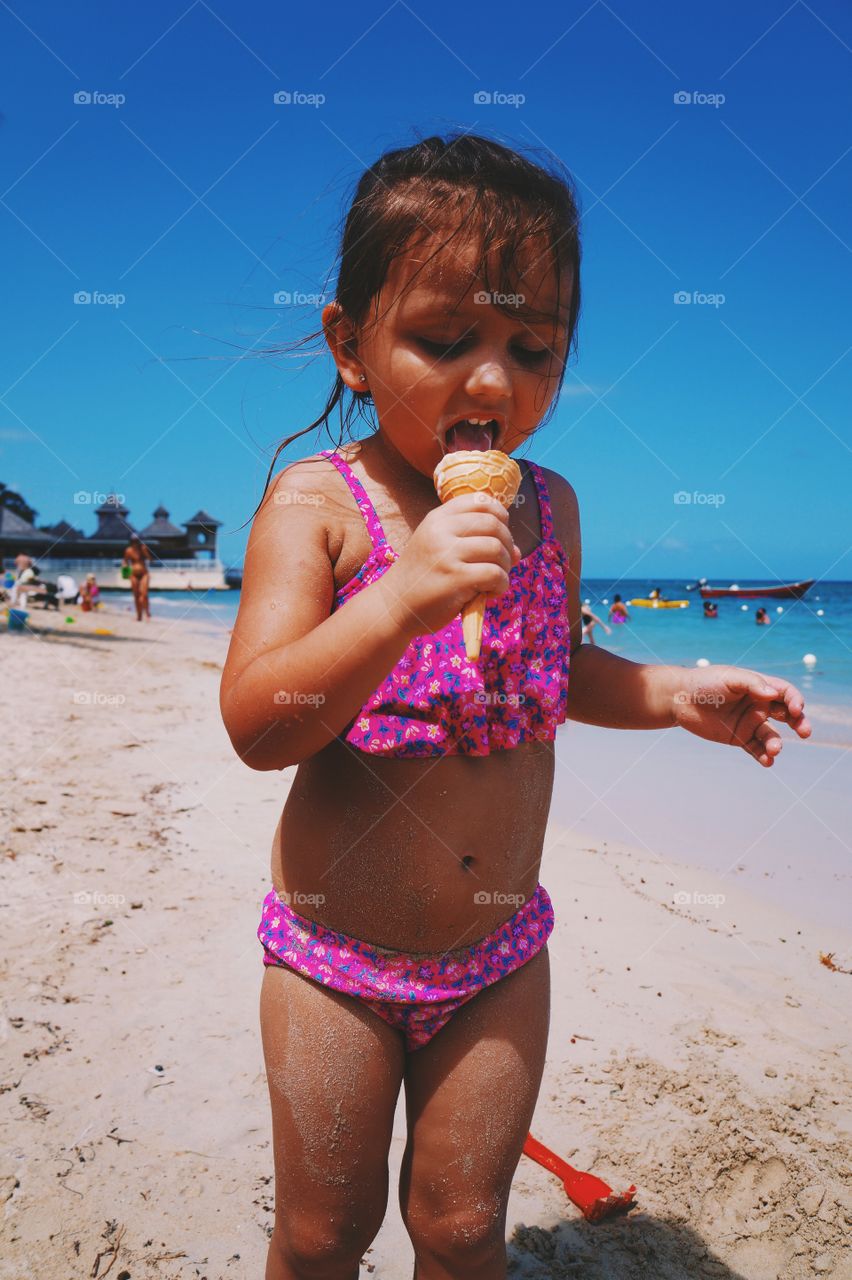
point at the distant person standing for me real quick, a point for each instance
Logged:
(136, 557)
(590, 621)
(710, 609)
(762, 618)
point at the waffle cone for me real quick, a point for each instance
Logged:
(488, 472)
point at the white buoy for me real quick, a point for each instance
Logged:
(809, 659)
(820, 612)
(733, 587)
(744, 607)
(703, 662)
(779, 608)
(605, 600)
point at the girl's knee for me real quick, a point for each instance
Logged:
(307, 1245)
(461, 1239)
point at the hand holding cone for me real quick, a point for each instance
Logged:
(488, 472)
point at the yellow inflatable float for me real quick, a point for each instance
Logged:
(660, 604)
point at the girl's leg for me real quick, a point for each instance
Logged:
(470, 1096)
(334, 1071)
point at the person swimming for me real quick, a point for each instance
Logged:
(618, 611)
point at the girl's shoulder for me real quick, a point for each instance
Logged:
(564, 506)
(309, 494)
(309, 483)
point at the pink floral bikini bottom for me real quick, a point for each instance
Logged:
(415, 994)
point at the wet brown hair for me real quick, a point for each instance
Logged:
(467, 186)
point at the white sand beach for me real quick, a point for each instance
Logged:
(699, 1049)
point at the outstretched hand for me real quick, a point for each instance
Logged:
(735, 706)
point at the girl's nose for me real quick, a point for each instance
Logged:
(490, 377)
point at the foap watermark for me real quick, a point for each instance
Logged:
(296, 98)
(95, 298)
(92, 898)
(297, 698)
(97, 698)
(683, 298)
(297, 498)
(285, 298)
(496, 698)
(695, 98)
(94, 98)
(518, 500)
(484, 897)
(485, 296)
(685, 899)
(699, 698)
(292, 899)
(682, 498)
(91, 497)
(496, 98)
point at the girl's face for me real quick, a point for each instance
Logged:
(441, 352)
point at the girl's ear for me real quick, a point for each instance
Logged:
(342, 339)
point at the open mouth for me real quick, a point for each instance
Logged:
(471, 433)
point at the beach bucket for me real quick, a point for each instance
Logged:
(125, 571)
(17, 619)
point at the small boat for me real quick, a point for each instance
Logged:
(784, 591)
(660, 604)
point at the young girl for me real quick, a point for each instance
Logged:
(405, 934)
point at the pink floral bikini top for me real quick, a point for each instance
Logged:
(436, 702)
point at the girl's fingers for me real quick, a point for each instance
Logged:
(749, 722)
(765, 744)
(787, 704)
(792, 716)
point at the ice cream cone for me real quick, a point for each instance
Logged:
(488, 472)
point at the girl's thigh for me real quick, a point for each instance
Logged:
(470, 1096)
(334, 1071)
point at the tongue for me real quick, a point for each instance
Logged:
(464, 435)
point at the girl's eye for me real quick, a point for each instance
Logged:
(440, 348)
(524, 354)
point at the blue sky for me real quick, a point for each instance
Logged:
(194, 200)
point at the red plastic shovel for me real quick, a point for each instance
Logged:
(591, 1195)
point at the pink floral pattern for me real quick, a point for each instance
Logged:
(415, 994)
(436, 702)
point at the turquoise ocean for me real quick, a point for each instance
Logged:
(819, 624)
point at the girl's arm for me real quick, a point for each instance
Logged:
(296, 673)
